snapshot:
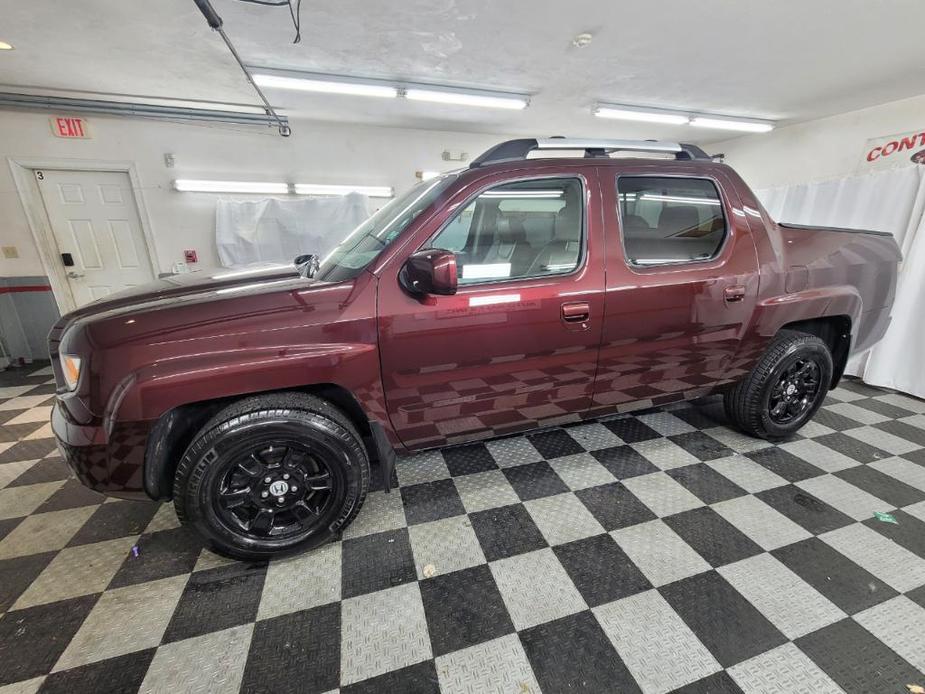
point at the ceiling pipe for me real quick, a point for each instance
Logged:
(215, 22)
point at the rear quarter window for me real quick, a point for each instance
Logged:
(667, 220)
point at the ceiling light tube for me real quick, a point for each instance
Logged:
(327, 86)
(641, 114)
(188, 185)
(326, 189)
(461, 98)
(721, 123)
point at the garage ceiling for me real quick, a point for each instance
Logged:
(786, 60)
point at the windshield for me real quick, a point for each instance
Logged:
(367, 241)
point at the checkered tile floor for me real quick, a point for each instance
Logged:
(654, 552)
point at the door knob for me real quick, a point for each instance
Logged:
(74, 275)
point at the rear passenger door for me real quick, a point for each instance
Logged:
(517, 345)
(682, 279)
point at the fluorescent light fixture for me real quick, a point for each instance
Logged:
(466, 98)
(641, 114)
(487, 271)
(325, 189)
(720, 123)
(331, 86)
(427, 175)
(521, 194)
(4, 46)
(492, 299)
(679, 198)
(188, 185)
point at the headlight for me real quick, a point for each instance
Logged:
(70, 365)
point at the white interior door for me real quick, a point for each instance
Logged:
(94, 220)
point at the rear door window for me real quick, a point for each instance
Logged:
(666, 220)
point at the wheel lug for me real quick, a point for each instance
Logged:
(286, 476)
(264, 495)
(268, 479)
(294, 488)
(280, 500)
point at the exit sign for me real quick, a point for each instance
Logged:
(67, 126)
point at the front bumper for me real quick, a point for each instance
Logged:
(111, 463)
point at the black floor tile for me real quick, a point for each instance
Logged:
(614, 506)
(431, 501)
(830, 572)
(534, 481)
(856, 660)
(833, 420)
(506, 531)
(32, 640)
(717, 683)
(624, 462)
(802, 508)
(48, 470)
(297, 652)
(852, 447)
(34, 449)
(464, 608)
(915, 456)
(903, 430)
(414, 679)
(712, 536)
(120, 675)
(116, 519)
(856, 385)
(15, 432)
(555, 444)
(160, 555)
(884, 408)
(573, 654)
(217, 599)
(6, 527)
(71, 495)
(700, 417)
(465, 460)
(17, 574)
(785, 464)
(600, 569)
(908, 531)
(882, 486)
(701, 445)
(374, 562)
(706, 483)
(724, 621)
(917, 595)
(631, 430)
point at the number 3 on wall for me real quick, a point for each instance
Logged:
(39, 175)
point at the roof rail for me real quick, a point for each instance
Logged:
(513, 150)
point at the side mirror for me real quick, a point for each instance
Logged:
(430, 271)
(307, 264)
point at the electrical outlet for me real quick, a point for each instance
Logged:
(10, 252)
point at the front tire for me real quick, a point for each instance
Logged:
(272, 474)
(785, 388)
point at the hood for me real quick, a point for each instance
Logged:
(186, 284)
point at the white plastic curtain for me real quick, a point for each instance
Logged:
(892, 201)
(276, 230)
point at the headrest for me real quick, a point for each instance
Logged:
(635, 222)
(678, 218)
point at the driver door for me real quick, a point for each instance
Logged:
(517, 345)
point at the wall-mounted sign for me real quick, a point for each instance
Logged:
(895, 150)
(69, 126)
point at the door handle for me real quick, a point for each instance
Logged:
(734, 293)
(576, 312)
(74, 275)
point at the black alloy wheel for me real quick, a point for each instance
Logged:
(795, 391)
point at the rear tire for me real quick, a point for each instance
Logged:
(272, 474)
(784, 389)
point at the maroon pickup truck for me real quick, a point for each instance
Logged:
(520, 292)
